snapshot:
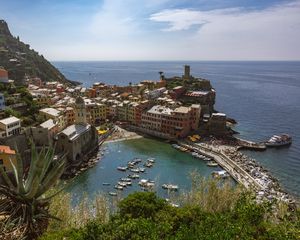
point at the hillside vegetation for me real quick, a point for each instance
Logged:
(19, 59)
(209, 211)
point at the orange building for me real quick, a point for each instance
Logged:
(7, 156)
(3, 75)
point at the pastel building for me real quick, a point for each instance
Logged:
(2, 101)
(77, 140)
(3, 75)
(54, 114)
(10, 126)
(7, 156)
(170, 123)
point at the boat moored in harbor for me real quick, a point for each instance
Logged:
(279, 140)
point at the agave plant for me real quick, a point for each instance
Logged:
(23, 204)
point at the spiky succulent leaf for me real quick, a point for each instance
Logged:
(33, 163)
(51, 178)
(20, 171)
(7, 179)
(48, 159)
(33, 188)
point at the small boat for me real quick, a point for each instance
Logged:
(142, 169)
(122, 168)
(122, 184)
(212, 164)
(170, 187)
(279, 140)
(148, 164)
(133, 176)
(151, 160)
(105, 184)
(125, 179)
(112, 194)
(146, 184)
(143, 182)
(220, 174)
(137, 160)
(118, 187)
(135, 170)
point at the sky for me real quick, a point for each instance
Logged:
(84, 30)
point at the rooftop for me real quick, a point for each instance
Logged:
(49, 124)
(6, 149)
(51, 111)
(182, 110)
(9, 120)
(75, 130)
(158, 109)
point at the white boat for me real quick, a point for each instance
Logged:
(122, 184)
(125, 179)
(212, 164)
(170, 187)
(135, 170)
(133, 176)
(118, 187)
(220, 174)
(279, 140)
(151, 160)
(143, 182)
(112, 194)
(120, 168)
(148, 164)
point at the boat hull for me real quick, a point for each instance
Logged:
(277, 145)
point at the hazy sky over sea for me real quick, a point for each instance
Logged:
(157, 29)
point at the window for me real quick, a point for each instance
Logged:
(1, 161)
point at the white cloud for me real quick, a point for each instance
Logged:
(272, 33)
(128, 30)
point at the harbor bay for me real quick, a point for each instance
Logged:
(171, 167)
(268, 92)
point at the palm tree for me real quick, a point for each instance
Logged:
(23, 204)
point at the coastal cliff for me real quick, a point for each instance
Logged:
(20, 60)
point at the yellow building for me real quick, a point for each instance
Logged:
(7, 156)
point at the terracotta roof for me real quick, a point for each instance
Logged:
(6, 149)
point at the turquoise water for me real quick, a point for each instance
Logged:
(264, 97)
(171, 166)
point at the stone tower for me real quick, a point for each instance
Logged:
(80, 111)
(187, 72)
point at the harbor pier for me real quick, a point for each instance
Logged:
(244, 170)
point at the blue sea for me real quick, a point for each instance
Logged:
(264, 97)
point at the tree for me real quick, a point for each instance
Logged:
(24, 207)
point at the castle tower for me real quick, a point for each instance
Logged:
(80, 111)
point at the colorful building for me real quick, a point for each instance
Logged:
(9, 127)
(7, 156)
(3, 75)
(170, 123)
(56, 115)
(2, 101)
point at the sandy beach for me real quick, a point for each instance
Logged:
(120, 134)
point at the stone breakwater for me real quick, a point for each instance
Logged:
(270, 186)
(244, 170)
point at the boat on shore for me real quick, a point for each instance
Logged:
(279, 140)
(212, 164)
(220, 174)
